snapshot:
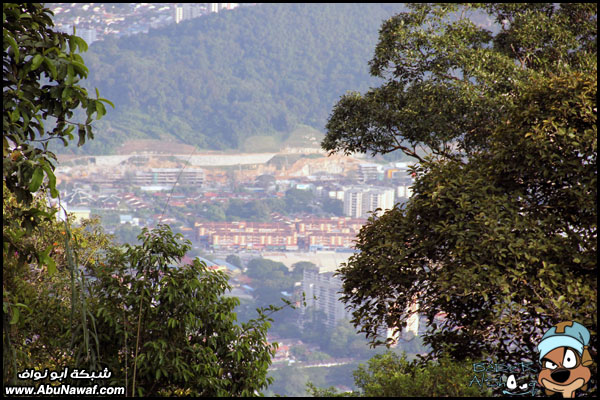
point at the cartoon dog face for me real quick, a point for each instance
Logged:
(563, 372)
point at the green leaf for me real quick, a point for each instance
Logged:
(83, 46)
(15, 316)
(107, 101)
(100, 110)
(45, 259)
(51, 67)
(15, 115)
(81, 133)
(51, 181)
(66, 93)
(49, 262)
(36, 62)
(13, 44)
(70, 75)
(81, 68)
(72, 44)
(90, 133)
(68, 132)
(36, 179)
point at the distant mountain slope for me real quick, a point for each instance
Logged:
(219, 79)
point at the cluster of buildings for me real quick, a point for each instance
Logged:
(371, 196)
(362, 188)
(133, 190)
(128, 189)
(310, 234)
(186, 11)
(94, 21)
(362, 200)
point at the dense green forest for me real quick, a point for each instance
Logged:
(218, 80)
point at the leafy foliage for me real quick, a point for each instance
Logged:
(389, 375)
(57, 336)
(449, 81)
(235, 260)
(499, 239)
(333, 206)
(168, 329)
(292, 381)
(298, 200)
(41, 73)
(269, 278)
(169, 323)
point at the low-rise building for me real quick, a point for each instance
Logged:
(168, 176)
(311, 233)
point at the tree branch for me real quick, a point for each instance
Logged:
(404, 149)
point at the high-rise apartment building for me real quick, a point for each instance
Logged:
(322, 293)
(178, 14)
(377, 198)
(187, 11)
(89, 35)
(359, 202)
(353, 206)
(321, 290)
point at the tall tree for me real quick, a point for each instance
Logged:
(41, 71)
(168, 329)
(499, 238)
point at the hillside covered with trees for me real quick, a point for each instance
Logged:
(218, 80)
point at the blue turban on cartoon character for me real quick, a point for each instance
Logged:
(565, 359)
